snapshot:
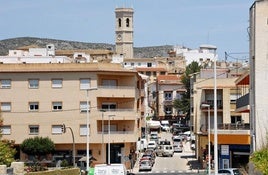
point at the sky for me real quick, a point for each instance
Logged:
(189, 23)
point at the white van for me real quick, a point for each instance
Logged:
(165, 125)
(113, 169)
(142, 145)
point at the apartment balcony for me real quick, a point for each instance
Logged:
(229, 133)
(121, 113)
(120, 130)
(117, 91)
(211, 103)
(116, 136)
(242, 104)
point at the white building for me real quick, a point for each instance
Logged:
(204, 53)
(34, 55)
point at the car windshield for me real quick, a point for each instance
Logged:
(144, 163)
(176, 140)
(236, 172)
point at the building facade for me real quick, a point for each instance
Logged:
(233, 127)
(37, 99)
(258, 73)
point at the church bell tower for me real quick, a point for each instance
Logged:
(124, 32)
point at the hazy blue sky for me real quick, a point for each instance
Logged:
(223, 23)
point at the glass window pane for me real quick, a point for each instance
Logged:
(33, 83)
(57, 83)
(84, 84)
(5, 106)
(5, 83)
(56, 129)
(6, 130)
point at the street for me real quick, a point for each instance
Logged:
(180, 163)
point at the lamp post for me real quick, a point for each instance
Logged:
(89, 89)
(215, 116)
(102, 132)
(209, 149)
(109, 142)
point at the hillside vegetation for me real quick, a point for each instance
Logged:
(139, 52)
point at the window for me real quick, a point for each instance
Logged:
(33, 84)
(108, 106)
(6, 107)
(56, 83)
(168, 95)
(56, 129)
(119, 22)
(6, 130)
(148, 73)
(233, 98)
(5, 84)
(33, 106)
(83, 130)
(56, 106)
(168, 110)
(149, 64)
(132, 64)
(109, 83)
(34, 129)
(127, 22)
(83, 106)
(84, 84)
(236, 119)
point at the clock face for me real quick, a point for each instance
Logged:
(119, 37)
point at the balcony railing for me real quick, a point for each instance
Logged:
(117, 110)
(242, 101)
(116, 132)
(232, 126)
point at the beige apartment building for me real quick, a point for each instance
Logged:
(37, 99)
(232, 127)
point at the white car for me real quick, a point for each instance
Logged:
(230, 171)
(151, 145)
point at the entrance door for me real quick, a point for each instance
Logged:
(115, 153)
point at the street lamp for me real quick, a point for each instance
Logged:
(102, 132)
(215, 116)
(89, 89)
(109, 143)
(209, 149)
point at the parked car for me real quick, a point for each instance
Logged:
(177, 144)
(154, 136)
(164, 142)
(149, 156)
(165, 150)
(230, 171)
(151, 145)
(145, 165)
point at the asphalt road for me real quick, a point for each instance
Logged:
(178, 164)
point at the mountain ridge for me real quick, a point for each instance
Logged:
(139, 52)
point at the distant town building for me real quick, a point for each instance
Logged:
(203, 54)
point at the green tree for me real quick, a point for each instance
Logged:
(7, 150)
(260, 160)
(183, 104)
(38, 146)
